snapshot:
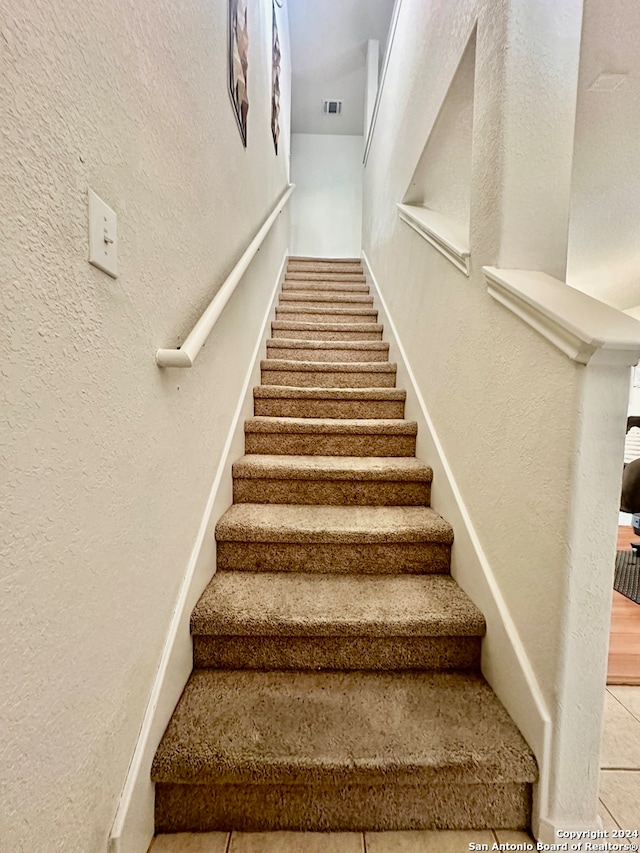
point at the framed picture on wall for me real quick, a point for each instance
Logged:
(275, 79)
(239, 63)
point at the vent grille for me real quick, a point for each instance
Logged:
(332, 108)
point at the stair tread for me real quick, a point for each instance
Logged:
(321, 260)
(288, 391)
(313, 286)
(363, 468)
(301, 325)
(300, 308)
(276, 603)
(325, 275)
(301, 297)
(332, 524)
(336, 266)
(341, 426)
(328, 366)
(315, 727)
(296, 343)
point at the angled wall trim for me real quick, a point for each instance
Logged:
(584, 329)
(445, 235)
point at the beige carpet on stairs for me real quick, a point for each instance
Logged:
(336, 681)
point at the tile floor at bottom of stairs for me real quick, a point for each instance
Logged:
(335, 842)
(619, 807)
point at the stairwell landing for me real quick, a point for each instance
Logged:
(336, 681)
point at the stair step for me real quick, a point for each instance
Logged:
(310, 374)
(332, 480)
(262, 620)
(320, 260)
(324, 275)
(330, 436)
(345, 539)
(308, 314)
(333, 266)
(335, 750)
(282, 348)
(325, 286)
(311, 264)
(337, 683)
(326, 331)
(320, 299)
(283, 401)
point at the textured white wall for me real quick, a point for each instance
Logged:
(538, 482)
(604, 249)
(326, 208)
(107, 461)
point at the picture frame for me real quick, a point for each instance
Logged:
(275, 79)
(239, 63)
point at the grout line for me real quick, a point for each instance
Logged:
(603, 806)
(228, 844)
(495, 835)
(364, 843)
(635, 716)
(621, 769)
(621, 703)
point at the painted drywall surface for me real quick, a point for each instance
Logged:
(371, 82)
(540, 92)
(505, 404)
(107, 461)
(326, 208)
(604, 252)
(442, 179)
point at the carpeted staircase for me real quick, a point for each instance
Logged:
(336, 681)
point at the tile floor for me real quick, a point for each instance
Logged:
(619, 807)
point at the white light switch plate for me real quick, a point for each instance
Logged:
(103, 236)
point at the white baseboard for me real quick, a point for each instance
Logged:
(133, 827)
(505, 663)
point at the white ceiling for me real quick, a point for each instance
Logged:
(328, 51)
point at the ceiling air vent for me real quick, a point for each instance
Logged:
(332, 108)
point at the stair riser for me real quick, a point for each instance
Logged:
(312, 334)
(296, 408)
(337, 287)
(330, 493)
(318, 316)
(328, 379)
(347, 808)
(328, 300)
(332, 354)
(348, 557)
(336, 653)
(308, 444)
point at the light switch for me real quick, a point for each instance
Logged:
(103, 236)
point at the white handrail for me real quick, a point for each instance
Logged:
(185, 355)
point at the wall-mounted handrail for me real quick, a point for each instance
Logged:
(186, 354)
